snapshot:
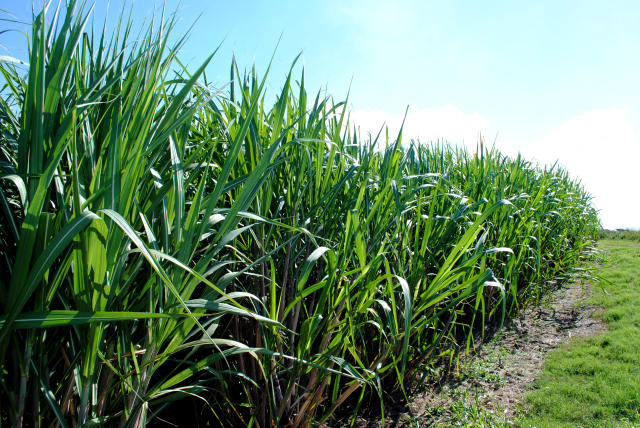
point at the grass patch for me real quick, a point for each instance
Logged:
(595, 382)
(467, 410)
(482, 370)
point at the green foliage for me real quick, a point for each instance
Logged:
(627, 235)
(594, 382)
(468, 411)
(162, 243)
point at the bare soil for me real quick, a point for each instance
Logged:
(503, 369)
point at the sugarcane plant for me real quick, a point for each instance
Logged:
(166, 245)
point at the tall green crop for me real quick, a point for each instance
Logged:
(166, 246)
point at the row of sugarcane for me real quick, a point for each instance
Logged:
(169, 246)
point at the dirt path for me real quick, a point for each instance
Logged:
(495, 379)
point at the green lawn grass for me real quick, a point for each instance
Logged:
(595, 382)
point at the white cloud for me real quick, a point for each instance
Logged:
(601, 148)
(427, 124)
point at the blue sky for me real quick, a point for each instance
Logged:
(551, 79)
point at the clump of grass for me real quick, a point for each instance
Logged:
(467, 410)
(164, 245)
(478, 370)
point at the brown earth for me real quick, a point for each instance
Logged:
(503, 369)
